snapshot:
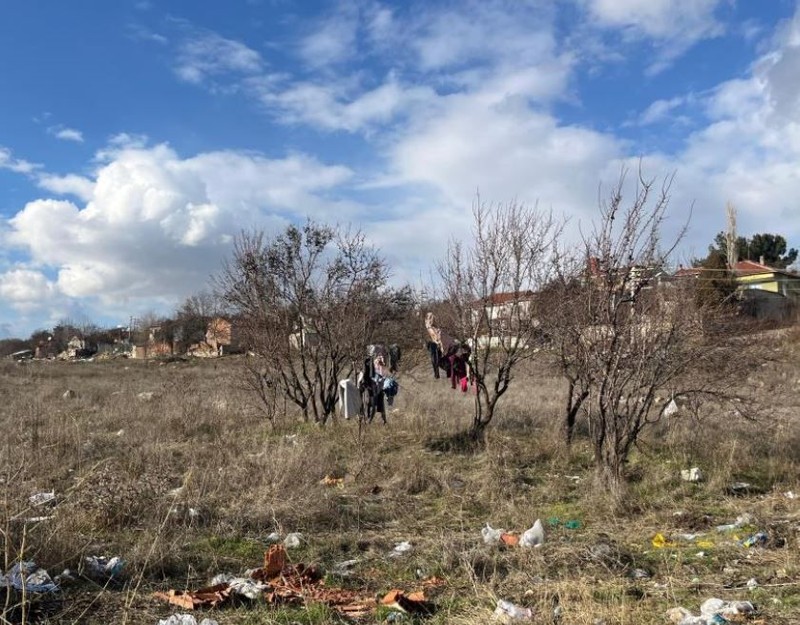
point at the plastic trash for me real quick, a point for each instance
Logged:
(101, 566)
(40, 499)
(671, 409)
(712, 612)
(710, 607)
(292, 540)
(752, 583)
(740, 522)
(692, 475)
(186, 619)
(759, 539)
(273, 538)
(506, 609)
(244, 586)
(344, 569)
(64, 578)
(29, 576)
(401, 549)
(534, 536)
(490, 535)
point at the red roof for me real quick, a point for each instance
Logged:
(688, 272)
(749, 268)
(505, 298)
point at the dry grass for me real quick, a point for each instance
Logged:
(189, 484)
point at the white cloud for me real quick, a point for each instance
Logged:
(749, 149)
(66, 134)
(208, 55)
(661, 110)
(331, 107)
(19, 166)
(481, 33)
(673, 26)
(659, 19)
(506, 151)
(25, 288)
(334, 39)
(71, 184)
(156, 226)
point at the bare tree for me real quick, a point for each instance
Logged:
(192, 317)
(624, 335)
(307, 302)
(490, 284)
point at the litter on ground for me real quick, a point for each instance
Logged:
(28, 577)
(712, 612)
(533, 536)
(692, 475)
(401, 549)
(186, 619)
(508, 612)
(40, 499)
(278, 582)
(102, 566)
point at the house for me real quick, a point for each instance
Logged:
(751, 275)
(305, 335)
(221, 338)
(765, 292)
(501, 315)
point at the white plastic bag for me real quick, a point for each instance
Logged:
(508, 611)
(186, 619)
(534, 536)
(490, 535)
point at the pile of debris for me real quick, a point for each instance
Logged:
(282, 583)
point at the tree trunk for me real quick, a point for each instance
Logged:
(609, 471)
(573, 406)
(484, 411)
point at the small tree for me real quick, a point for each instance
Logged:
(716, 284)
(626, 335)
(490, 285)
(191, 319)
(307, 301)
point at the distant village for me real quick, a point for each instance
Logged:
(152, 341)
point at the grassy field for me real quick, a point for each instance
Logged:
(189, 482)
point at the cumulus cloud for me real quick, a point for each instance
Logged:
(507, 152)
(155, 225)
(71, 184)
(748, 149)
(66, 134)
(25, 288)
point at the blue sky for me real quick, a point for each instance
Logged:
(137, 138)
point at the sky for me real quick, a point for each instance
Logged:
(139, 137)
